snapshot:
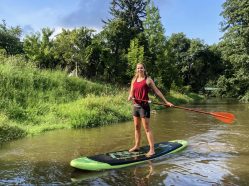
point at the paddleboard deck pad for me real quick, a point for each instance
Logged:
(119, 159)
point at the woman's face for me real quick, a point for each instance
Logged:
(140, 68)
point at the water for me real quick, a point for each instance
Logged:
(218, 154)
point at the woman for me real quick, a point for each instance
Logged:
(140, 86)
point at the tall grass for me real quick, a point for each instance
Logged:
(34, 99)
(95, 111)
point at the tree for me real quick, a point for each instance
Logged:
(39, 48)
(125, 25)
(96, 58)
(159, 60)
(10, 39)
(235, 47)
(131, 11)
(74, 47)
(32, 47)
(116, 37)
(154, 30)
(178, 45)
(135, 55)
(236, 36)
(202, 66)
(195, 63)
(129, 15)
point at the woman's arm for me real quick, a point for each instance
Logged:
(131, 92)
(151, 84)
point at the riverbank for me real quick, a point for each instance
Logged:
(35, 101)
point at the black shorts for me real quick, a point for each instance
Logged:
(141, 111)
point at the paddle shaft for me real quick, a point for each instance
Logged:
(193, 110)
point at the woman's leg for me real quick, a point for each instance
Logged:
(137, 126)
(150, 138)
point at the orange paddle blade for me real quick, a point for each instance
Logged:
(224, 117)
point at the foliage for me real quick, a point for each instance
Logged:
(159, 63)
(73, 49)
(201, 65)
(154, 30)
(178, 45)
(130, 11)
(116, 35)
(39, 49)
(234, 86)
(235, 48)
(135, 55)
(10, 39)
(194, 63)
(9, 130)
(245, 98)
(125, 25)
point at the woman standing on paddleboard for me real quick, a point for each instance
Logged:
(140, 86)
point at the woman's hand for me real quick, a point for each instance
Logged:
(130, 98)
(168, 104)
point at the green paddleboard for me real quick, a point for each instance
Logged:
(119, 159)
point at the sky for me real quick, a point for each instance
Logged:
(195, 18)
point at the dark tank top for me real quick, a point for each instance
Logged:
(140, 92)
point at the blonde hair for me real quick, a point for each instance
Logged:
(136, 74)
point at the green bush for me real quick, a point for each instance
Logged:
(94, 111)
(9, 131)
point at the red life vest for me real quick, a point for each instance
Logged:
(140, 91)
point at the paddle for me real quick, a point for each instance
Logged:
(221, 116)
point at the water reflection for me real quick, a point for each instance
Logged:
(141, 176)
(137, 175)
(78, 176)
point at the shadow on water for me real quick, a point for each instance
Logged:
(217, 154)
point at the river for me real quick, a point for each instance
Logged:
(218, 153)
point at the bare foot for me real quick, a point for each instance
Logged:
(133, 149)
(150, 153)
